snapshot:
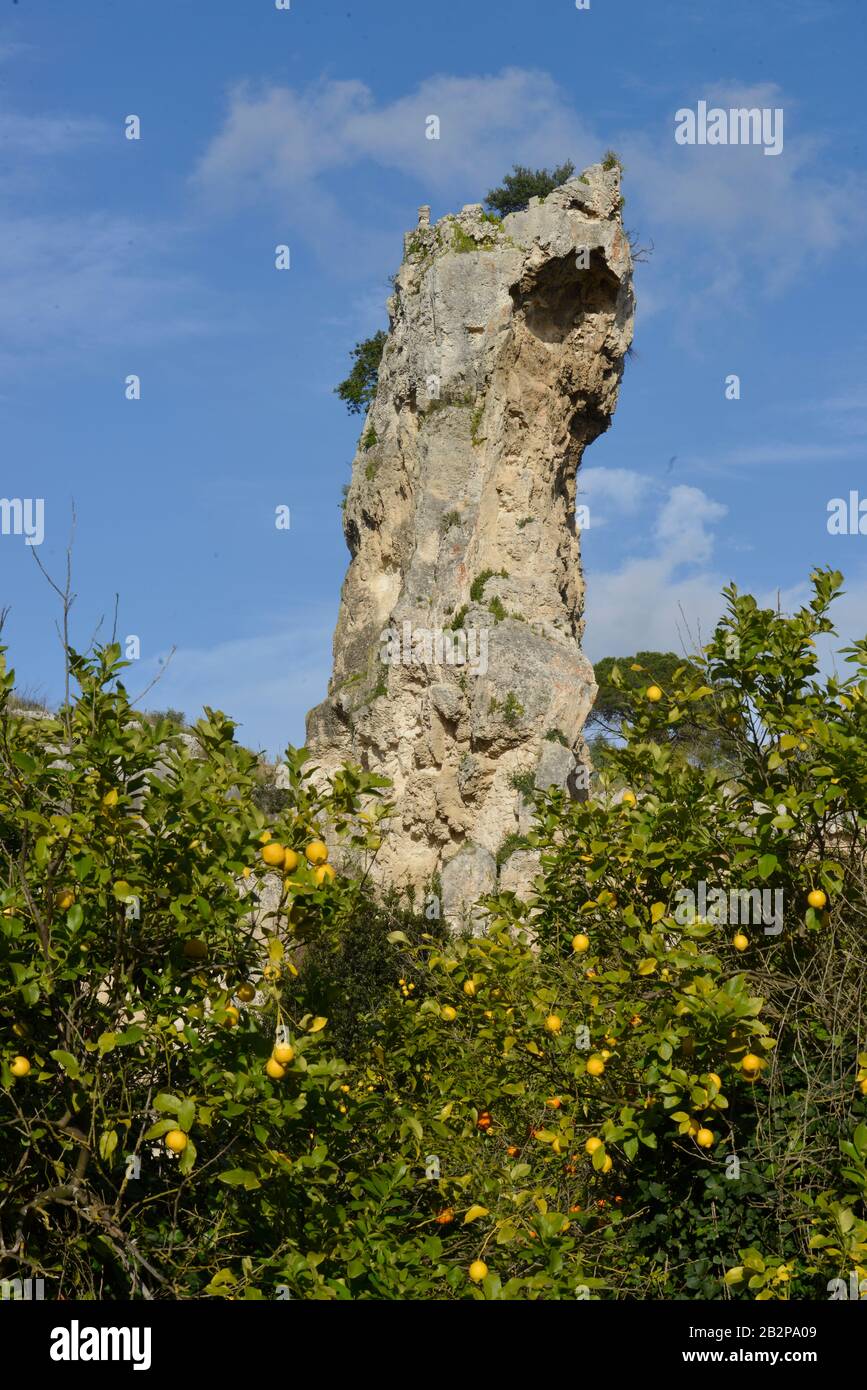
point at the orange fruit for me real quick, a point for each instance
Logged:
(446, 1216)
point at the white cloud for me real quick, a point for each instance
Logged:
(267, 683)
(31, 136)
(768, 214)
(625, 488)
(71, 285)
(742, 210)
(649, 603)
(275, 138)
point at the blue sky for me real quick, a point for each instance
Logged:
(307, 127)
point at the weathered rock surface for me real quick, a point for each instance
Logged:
(457, 648)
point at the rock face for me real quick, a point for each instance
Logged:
(458, 671)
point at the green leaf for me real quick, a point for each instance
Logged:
(107, 1143)
(186, 1115)
(67, 1061)
(240, 1177)
(164, 1101)
(767, 864)
(159, 1129)
(474, 1212)
(107, 1042)
(131, 1035)
(395, 936)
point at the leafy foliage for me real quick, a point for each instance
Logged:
(524, 183)
(600, 1096)
(359, 388)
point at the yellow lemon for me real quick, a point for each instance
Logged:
(717, 1080)
(316, 852)
(291, 860)
(110, 799)
(324, 872)
(477, 1271)
(274, 1069)
(653, 694)
(232, 1015)
(469, 987)
(553, 1024)
(595, 1066)
(195, 948)
(817, 899)
(580, 943)
(628, 798)
(592, 1145)
(19, 1066)
(607, 1164)
(65, 899)
(704, 1138)
(740, 941)
(751, 1063)
(448, 1013)
(284, 1053)
(176, 1141)
(273, 854)
(246, 993)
